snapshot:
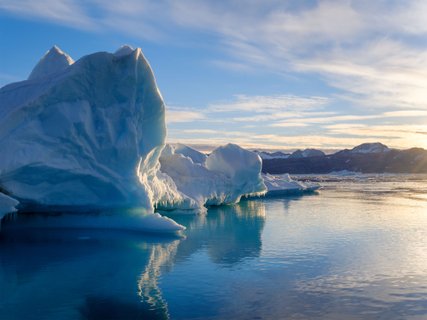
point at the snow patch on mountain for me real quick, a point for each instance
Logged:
(272, 155)
(375, 147)
(306, 153)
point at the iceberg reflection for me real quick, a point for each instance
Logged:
(79, 274)
(230, 233)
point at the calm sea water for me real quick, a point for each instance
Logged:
(356, 250)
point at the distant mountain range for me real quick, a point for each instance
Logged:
(298, 154)
(365, 158)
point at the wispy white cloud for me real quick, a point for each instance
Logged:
(372, 56)
(175, 115)
(284, 124)
(364, 48)
(384, 74)
(254, 108)
(406, 113)
(274, 103)
(200, 131)
(66, 12)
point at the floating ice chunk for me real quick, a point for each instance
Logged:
(284, 184)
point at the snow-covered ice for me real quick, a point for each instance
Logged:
(226, 175)
(193, 154)
(78, 136)
(54, 61)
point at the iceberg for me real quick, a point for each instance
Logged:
(78, 135)
(85, 134)
(91, 134)
(226, 175)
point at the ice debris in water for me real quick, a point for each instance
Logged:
(283, 184)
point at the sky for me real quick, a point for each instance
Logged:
(266, 74)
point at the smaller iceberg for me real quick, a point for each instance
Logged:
(278, 185)
(227, 174)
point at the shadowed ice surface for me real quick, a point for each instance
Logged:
(357, 250)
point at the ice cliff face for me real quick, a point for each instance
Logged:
(92, 133)
(76, 135)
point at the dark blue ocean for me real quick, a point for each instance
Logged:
(355, 250)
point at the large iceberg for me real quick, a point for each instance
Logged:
(76, 136)
(91, 133)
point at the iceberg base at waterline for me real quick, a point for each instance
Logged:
(135, 219)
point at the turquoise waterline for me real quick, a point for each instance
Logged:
(356, 250)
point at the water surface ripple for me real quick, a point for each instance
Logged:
(356, 250)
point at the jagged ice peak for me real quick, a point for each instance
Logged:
(54, 60)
